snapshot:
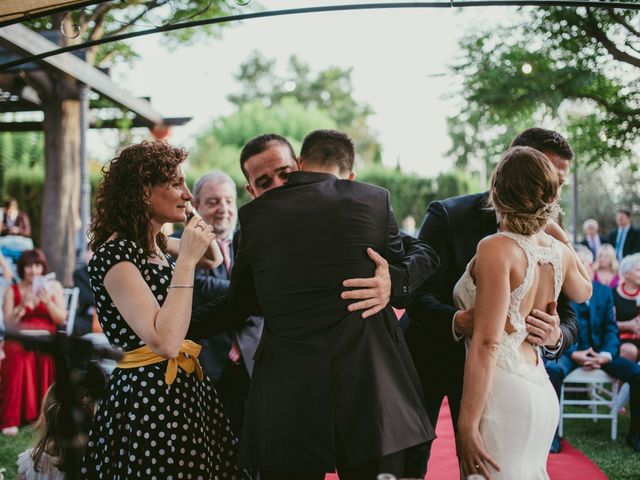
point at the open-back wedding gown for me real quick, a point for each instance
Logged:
(522, 409)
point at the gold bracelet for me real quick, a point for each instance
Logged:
(180, 286)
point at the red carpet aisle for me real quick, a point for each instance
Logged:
(571, 464)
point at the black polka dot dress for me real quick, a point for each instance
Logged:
(145, 428)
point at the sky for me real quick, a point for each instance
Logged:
(400, 61)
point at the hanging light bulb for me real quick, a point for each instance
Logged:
(70, 35)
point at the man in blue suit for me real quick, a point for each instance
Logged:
(597, 346)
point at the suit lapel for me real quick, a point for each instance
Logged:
(488, 221)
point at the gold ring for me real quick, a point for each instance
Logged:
(477, 466)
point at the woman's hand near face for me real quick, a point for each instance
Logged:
(195, 241)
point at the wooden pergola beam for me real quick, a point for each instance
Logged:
(28, 126)
(18, 10)
(27, 42)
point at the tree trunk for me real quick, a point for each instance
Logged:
(60, 215)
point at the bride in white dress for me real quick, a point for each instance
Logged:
(509, 409)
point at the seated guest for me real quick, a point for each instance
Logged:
(592, 239)
(626, 296)
(86, 304)
(25, 375)
(14, 221)
(597, 346)
(226, 358)
(606, 266)
(49, 458)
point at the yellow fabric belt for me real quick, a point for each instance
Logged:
(187, 360)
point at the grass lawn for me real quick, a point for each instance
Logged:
(10, 447)
(615, 459)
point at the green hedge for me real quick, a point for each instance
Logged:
(26, 185)
(410, 194)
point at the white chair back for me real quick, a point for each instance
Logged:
(601, 394)
(71, 304)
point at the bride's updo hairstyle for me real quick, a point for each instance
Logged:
(524, 190)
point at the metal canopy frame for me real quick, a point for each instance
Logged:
(599, 4)
(15, 11)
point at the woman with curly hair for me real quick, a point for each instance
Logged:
(509, 409)
(160, 417)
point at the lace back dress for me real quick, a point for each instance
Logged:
(522, 410)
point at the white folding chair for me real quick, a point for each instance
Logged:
(599, 397)
(71, 304)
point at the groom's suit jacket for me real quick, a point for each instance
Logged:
(322, 372)
(453, 227)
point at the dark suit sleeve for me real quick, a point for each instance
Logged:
(611, 340)
(85, 296)
(209, 286)
(427, 305)
(568, 325)
(635, 245)
(411, 262)
(231, 310)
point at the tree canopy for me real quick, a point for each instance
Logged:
(330, 90)
(218, 147)
(572, 69)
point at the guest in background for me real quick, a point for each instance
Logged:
(14, 221)
(625, 239)
(1, 348)
(226, 358)
(592, 239)
(597, 347)
(626, 296)
(25, 376)
(49, 459)
(5, 281)
(86, 304)
(606, 267)
(409, 225)
(7, 273)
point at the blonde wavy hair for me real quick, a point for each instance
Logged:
(524, 190)
(611, 252)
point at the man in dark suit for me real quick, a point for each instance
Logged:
(625, 239)
(330, 388)
(227, 358)
(86, 303)
(597, 346)
(592, 238)
(454, 227)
